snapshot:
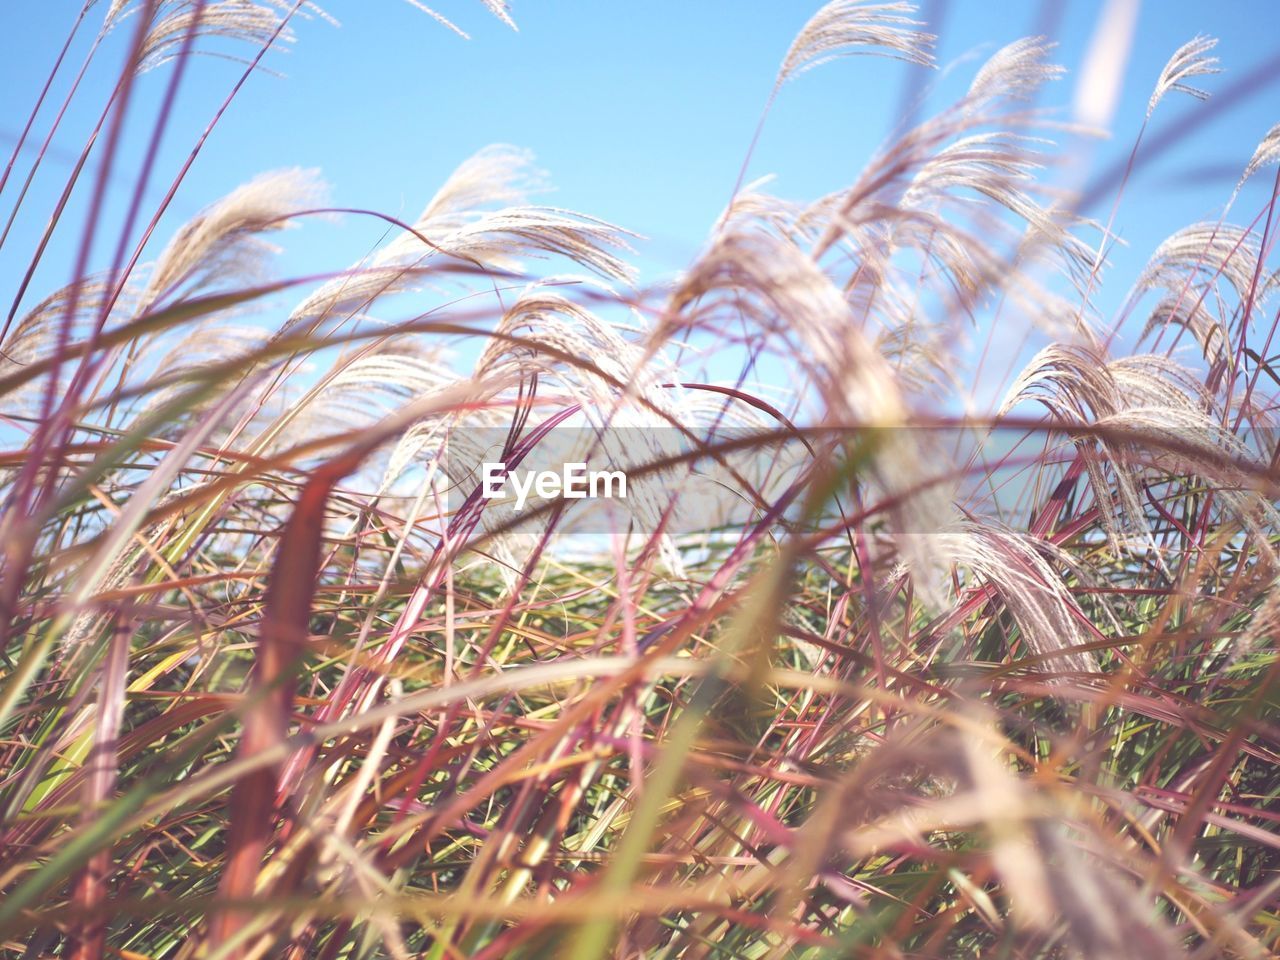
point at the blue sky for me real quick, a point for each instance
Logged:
(640, 112)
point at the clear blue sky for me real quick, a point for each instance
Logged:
(641, 112)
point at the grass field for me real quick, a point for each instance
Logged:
(277, 680)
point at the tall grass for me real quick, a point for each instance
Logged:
(959, 685)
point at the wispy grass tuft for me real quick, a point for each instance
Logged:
(276, 679)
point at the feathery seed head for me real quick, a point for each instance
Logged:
(1267, 154)
(1015, 72)
(1188, 61)
(257, 24)
(846, 27)
(225, 241)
